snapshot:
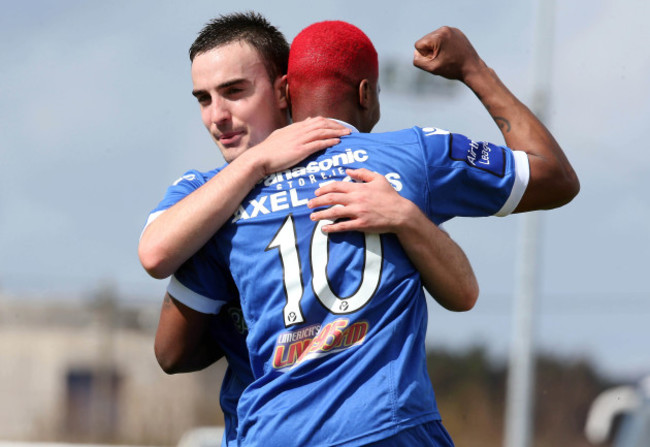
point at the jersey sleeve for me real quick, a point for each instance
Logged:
(471, 178)
(202, 283)
(181, 188)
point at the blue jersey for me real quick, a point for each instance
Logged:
(337, 322)
(228, 328)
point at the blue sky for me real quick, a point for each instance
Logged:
(96, 119)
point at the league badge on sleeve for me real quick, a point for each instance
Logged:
(482, 155)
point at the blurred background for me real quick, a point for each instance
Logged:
(97, 119)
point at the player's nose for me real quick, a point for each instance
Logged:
(219, 113)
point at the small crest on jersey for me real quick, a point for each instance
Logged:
(428, 131)
(188, 177)
(237, 317)
(479, 154)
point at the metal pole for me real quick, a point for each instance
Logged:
(521, 372)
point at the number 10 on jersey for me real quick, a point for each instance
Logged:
(286, 241)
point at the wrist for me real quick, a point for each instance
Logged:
(253, 163)
(409, 219)
(478, 74)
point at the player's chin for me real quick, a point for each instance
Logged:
(230, 153)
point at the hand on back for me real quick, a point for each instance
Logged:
(370, 205)
(291, 144)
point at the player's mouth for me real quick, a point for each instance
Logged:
(231, 138)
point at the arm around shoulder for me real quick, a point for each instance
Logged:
(444, 268)
(185, 227)
(374, 206)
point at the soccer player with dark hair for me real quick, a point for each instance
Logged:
(336, 322)
(242, 98)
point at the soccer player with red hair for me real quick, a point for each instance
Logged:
(336, 321)
(328, 79)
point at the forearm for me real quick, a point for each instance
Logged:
(183, 342)
(205, 354)
(183, 229)
(445, 270)
(373, 206)
(553, 181)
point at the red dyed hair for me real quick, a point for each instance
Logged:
(333, 54)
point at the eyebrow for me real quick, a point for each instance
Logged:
(231, 83)
(222, 86)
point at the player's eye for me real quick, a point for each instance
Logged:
(203, 99)
(234, 91)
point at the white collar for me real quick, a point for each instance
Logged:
(343, 123)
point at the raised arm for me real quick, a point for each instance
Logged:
(448, 53)
(181, 230)
(374, 206)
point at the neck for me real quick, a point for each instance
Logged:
(329, 100)
(340, 111)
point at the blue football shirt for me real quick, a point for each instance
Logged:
(228, 327)
(337, 322)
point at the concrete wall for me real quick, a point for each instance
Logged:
(45, 343)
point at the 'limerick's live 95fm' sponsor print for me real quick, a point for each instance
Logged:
(317, 340)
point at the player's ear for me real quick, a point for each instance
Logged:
(281, 89)
(364, 94)
(369, 104)
(287, 94)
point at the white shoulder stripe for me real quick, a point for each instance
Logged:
(522, 175)
(428, 131)
(192, 299)
(151, 218)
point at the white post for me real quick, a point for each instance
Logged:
(521, 371)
